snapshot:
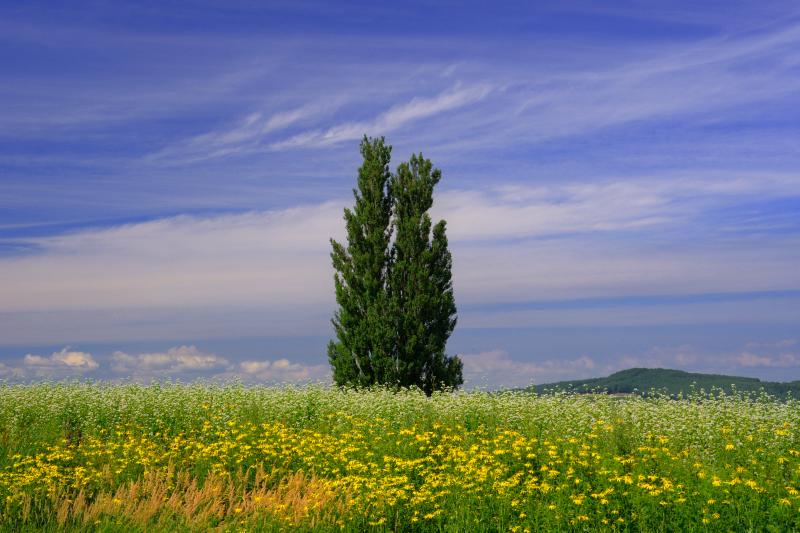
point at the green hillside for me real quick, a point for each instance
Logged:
(672, 382)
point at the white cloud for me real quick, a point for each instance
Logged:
(65, 358)
(246, 136)
(277, 257)
(647, 312)
(176, 360)
(270, 271)
(390, 120)
(520, 211)
(281, 257)
(780, 344)
(781, 360)
(282, 370)
(10, 372)
(754, 356)
(682, 357)
(187, 362)
(61, 364)
(695, 78)
(520, 105)
(495, 369)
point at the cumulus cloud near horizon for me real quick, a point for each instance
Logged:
(175, 360)
(497, 368)
(65, 363)
(784, 353)
(65, 358)
(283, 370)
(488, 369)
(189, 361)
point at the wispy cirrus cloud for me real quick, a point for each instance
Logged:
(696, 84)
(212, 136)
(248, 135)
(497, 106)
(255, 132)
(415, 109)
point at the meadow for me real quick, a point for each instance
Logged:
(176, 457)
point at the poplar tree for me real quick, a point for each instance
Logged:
(359, 354)
(420, 283)
(396, 304)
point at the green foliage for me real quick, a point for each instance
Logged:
(673, 382)
(364, 335)
(420, 284)
(396, 304)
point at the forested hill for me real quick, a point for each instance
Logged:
(672, 382)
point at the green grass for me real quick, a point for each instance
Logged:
(101, 457)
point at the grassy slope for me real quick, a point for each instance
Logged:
(673, 382)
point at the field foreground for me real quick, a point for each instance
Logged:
(195, 457)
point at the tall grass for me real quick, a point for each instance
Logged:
(91, 456)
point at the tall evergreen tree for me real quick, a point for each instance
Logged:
(420, 283)
(396, 305)
(363, 333)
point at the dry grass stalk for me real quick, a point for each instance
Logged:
(164, 497)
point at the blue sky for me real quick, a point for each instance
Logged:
(621, 182)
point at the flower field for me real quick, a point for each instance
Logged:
(178, 457)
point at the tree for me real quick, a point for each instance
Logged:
(420, 284)
(396, 304)
(359, 357)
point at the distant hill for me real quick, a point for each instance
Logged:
(672, 382)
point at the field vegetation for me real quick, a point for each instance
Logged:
(102, 457)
